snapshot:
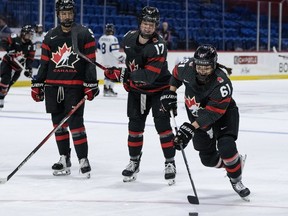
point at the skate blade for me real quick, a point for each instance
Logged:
(86, 175)
(110, 95)
(171, 181)
(129, 178)
(62, 172)
(247, 198)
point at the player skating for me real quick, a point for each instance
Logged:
(213, 114)
(19, 56)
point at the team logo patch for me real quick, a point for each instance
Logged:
(133, 66)
(192, 105)
(65, 57)
(220, 79)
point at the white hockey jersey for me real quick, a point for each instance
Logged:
(37, 42)
(108, 51)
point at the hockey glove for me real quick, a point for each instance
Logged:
(37, 91)
(91, 90)
(28, 72)
(116, 74)
(184, 135)
(168, 101)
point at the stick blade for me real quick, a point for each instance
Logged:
(193, 200)
(3, 180)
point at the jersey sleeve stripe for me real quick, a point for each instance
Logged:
(44, 58)
(91, 56)
(158, 59)
(216, 110)
(175, 72)
(226, 100)
(45, 46)
(9, 40)
(90, 44)
(153, 69)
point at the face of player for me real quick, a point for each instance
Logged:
(39, 30)
(147, 29)
(203, 73)
(27, 37)
(66, 18)
(204, 70)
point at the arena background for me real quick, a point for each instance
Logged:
(251, 36)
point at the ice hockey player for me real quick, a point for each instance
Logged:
(67, 78)
(108, 51)
(19, 57)
(37, 42)
(213, 114)
(145, 78)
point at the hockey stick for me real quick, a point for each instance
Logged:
(191, 199)
(275, 51)
(22, 68)
(4, 180)
(75, 32)
(19, 64)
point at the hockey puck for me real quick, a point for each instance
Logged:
(193, 213)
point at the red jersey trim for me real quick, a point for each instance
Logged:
(153, 69)
(65, 82)
(88, 45)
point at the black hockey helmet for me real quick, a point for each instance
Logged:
(27, 29)
(206, 55)
(109, 29)
(149, 14)
(65, 5)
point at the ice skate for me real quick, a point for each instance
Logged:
(241, 190)
(238, 186)
(106, 92)
(85, 167)
(130, 173)
(62, 167)
(112, 93)
(170, 172)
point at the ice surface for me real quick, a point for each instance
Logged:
(34, 191)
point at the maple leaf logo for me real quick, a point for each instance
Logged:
(192, 105)
(133, 66)
(64, 57)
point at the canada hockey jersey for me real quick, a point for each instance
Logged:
(17, 50)
(205, 103)
(146, 63)
(60, 64)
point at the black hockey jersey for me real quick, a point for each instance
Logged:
(204, 103)
(146, 63)
(60, 65)
(17, 49)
